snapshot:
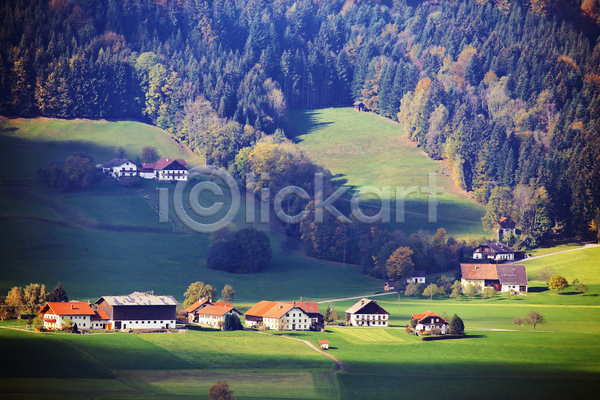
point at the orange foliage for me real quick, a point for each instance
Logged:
(569, 61)
(60, 6)
(423, 85)
(592, 79)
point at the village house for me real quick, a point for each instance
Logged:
(502, 277)
(55, 314)
(367, 313)
(494, 251)
(214, 316)
(324, 344)
(138, 311)
(506, 226)
(417, 277)
(429, 320)
(120, 167)
(192, 312)
(389, 286)
(288, 316)
(165, 170)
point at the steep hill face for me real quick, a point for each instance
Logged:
(508, 93)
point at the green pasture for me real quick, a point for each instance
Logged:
(362, 149)
(582, 264)
(107, 239)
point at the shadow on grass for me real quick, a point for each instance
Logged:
(538, 289)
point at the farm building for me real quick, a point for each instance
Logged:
(138, 311)
(429, 320)
(503, 277)
(120, 167)
(55, 314)
(193, 311)
(289, 316)
(494, 251)
(417, 277)
(165, 169)
(506, 226)
(214, 316)
(324, 344)
(390, 285)
(359, 106)
(367, 313)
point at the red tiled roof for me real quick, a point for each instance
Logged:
(323, 341)
(478, 271)
(165, 162)
(278, 311)
(215, 310)
(420, 317)
(99, 316)
(197, 305)
(309, 307)
(260, 308)
(221, 304)
(69, 308)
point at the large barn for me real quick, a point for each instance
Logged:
(138, 311)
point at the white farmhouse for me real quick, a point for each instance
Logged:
(294, 316)
(214, 316)
(120, 167)
(367, 313)
(165, 170)
(78, 312)
(417, 277)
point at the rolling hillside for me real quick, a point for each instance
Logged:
(363, 149)
(107, 239)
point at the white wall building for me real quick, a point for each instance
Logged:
(120, 167)
(56, 315)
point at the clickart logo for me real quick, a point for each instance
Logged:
(204, 222)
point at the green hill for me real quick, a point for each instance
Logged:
(107, 239)
(363, 149)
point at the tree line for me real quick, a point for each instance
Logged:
(508, 93)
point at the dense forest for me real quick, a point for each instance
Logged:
(507, 92)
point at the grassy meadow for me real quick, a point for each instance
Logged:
(363, 149)
(107, 239)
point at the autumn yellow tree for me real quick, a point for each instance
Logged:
(400, 266)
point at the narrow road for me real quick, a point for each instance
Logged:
(357, 297)
(585, 246)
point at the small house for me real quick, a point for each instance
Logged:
(494, 251)
(389, 286)
(120, 167)
(214, 316)
(417, 277)
(502, 277)
(429, 320)
(367, 312)
(193, 311)
(56, 315)
(359, 106)
(324, 344)
(506, 226)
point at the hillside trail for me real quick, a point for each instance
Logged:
(585, 246)
(338, 364)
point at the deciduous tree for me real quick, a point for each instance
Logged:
(197, 291)
(558, 283)
(399, 266)
(471, 290)
(534, 318)
(227, 294)
(431, 291)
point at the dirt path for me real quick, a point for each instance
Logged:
(339, 365)
(585, 246)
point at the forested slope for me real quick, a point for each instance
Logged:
(507, 92)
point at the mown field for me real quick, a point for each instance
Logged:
(363, 149)
(107, 239)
